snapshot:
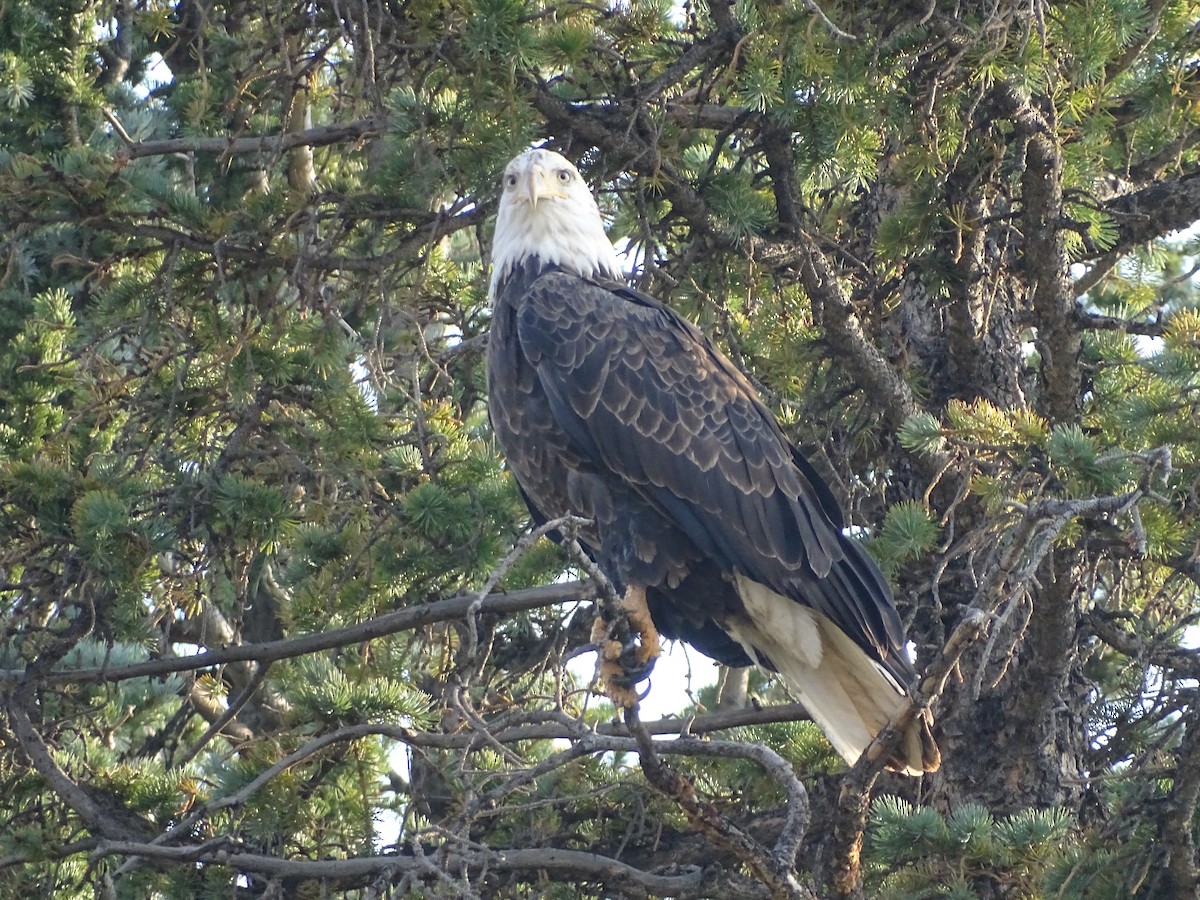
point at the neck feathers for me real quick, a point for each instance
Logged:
(552, 234)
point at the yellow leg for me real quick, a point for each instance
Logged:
(610, 669)
(649, 643)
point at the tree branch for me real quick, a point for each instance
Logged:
(360, 870)
(854, 798)
(1034, 538)
(1154, 211)
(96, 818)
(775, 869)
(1152, 16)
(585, 740)
(834, 32)
(435, 227)
(381, 626)
(1099, 322)
(862, 359)
(225, 717)
(563, 727)
(320, 136)
(1177, 659)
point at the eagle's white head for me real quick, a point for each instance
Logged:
(547, 211)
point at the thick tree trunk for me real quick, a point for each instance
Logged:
(1020, 741)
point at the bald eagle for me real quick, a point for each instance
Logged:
(711, 524)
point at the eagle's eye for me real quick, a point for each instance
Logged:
(510, 180)
(564, 175)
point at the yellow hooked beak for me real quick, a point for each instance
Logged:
(539, 184)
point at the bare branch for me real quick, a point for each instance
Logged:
(361, 869)
(585, 741)
(1154, 211)
(61, 851)
(320, 136)
(563, 727)
(1098, 322)
(878, 378)
(726, 36)
(1183, 661)
(434, 227)
(714, 116)
(1042, 523)
(381, 626)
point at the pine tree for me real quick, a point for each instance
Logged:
(274, 620)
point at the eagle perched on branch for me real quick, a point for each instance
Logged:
(710, 524)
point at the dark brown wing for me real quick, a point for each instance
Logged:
(641, 393)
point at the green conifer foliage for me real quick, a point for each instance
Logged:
(273, 619)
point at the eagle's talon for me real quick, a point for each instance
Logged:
(634, 669)
(630, 673)
(625, 664)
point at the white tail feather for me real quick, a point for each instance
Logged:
(847, 693)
